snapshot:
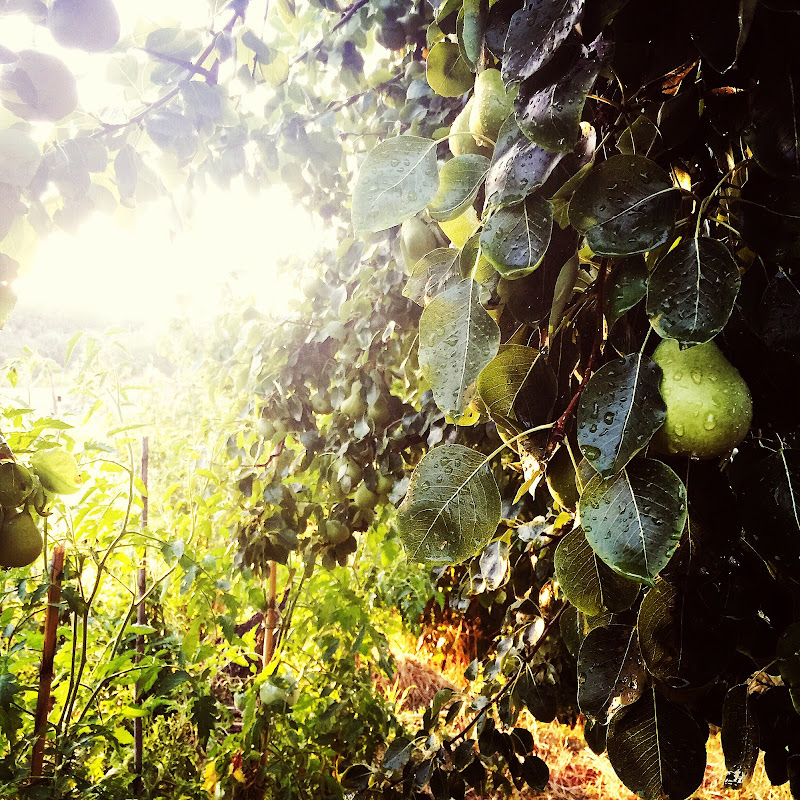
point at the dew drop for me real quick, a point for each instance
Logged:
(608, 418)
(676, 376)
(678, 430)
(710, 423)
(697, 376)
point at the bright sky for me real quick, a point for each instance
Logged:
(131, 267)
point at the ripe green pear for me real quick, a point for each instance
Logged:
(354, 406)
(16, 484)
(491, 106)
(709, 408)
(364, 498)
(20, 540)
(417, 240)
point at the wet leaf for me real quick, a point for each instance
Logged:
(740, 737)
(449, 75)
(397, 180)
(625, 205)
(518, 166)
(657, 749)
(634, 521)
(609, 667)
(549, 114)
(691, 291)
(720, 28)
(432, 274)
(515, 238)
(595, 736)
(457, 339)
(452, 507)
(541, 700)
(459, 181)
(535, 33)
(586, 581)
(625, 287)
(397, 753)
(619, 411)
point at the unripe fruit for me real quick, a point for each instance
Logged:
(336, 531)
(16, 484)
(38, 86)
(265, 428)
(355, 405)
(418, 240)
(20, 540)
(364, 498)
(492, 105)
(378, 412)
(709, 408)
(461, 141)
(385, 484)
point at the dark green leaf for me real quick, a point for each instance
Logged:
(595, 734)
(625, 205)
(691, 291)
(502, 379)
(634, 521)
(457, 339)
(550, 114)
(740, 737)
(205, 716)
(452, 507)
(609, 667)
(449, 75)
(587, 582)
(397, 753)
(459, 181)
(680, 647)
(356, 777)
(657, 749)
(535, 34)
(625, 287)
(396, 181)
(541, 700)
(515, 238)
(518, 166)
(535, 773)
(619, 411)
(720, 28)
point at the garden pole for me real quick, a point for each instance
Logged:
(48, 654)
(272, 616)
(141, 619)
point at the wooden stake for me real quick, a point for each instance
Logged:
(272, 615)
(48, 654)
(141, 619)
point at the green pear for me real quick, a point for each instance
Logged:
(20, 540)
(90, 25)
(38, 86)
(378, 412)
(16, 483)
(491, 106)
(417, 240)
(461, 140)
(336, 531)
(364, 498)
(709, 408)
(354, 406)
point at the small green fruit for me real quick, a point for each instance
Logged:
(354, 406)
(461, 141)
(418, 240)
(378, 412)
(16, 484)
(385, 484)
(709, 408)
(90, 25)
(492, 105)
(265, 428)
(336, 531)
(20, 540)
(364, 498)
(321, 403)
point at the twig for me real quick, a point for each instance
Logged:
(48, 655)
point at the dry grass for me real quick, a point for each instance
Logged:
(576, 773)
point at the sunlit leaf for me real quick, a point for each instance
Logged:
(449, 75)
(459, 181)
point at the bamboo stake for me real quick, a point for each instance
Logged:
(141, 619)
(48, 654)
(272, 616)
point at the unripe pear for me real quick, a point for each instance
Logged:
(709, 408)
(354, 406)
(385, 484)
(91, 25)
(20, 540)
(491, 106)
(364, 498)
(378, 412)
(336, 531)
(16, 483)
(461, 141)
(418, 240)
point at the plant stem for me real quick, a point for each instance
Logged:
(141, 619)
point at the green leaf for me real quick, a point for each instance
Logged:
(619, 411)
(609, 667)
(680, 647)
(452, 507)
(586, 581)
(634, 521)
(457, 339)
(502, 379)
(625, 205)
(518, 166)
(205, 716)
(535, 773)
(657, 749)
(550, 114)
(535, 34)
(691, 291)
(540, 699)
(397, 180)
(740, 737)
(19, 157)
(515, 238)
(720, 28)
(432, 274)
(625, 287)
(459, 181)
(448, 74)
